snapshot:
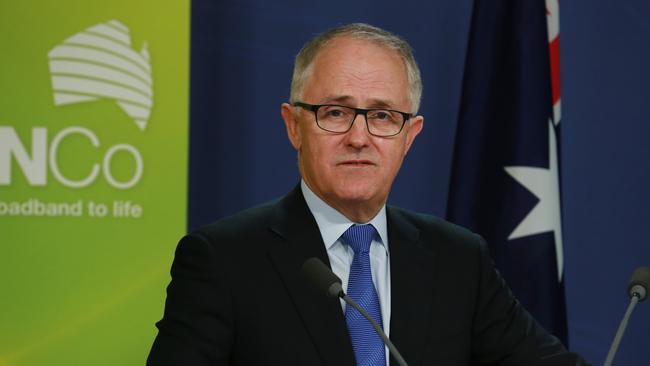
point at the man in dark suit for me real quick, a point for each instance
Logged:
(237, 297)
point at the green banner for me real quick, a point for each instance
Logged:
(93, 171)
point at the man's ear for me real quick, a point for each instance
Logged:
(291, 123)
(415, 126)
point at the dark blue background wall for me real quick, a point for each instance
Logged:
(606, 169)
(242, 53)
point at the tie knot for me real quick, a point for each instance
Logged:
(359, 237)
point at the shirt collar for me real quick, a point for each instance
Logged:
(332, 224)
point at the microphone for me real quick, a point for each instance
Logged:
(640, 283)
(638, 291)
(322, 277)
(316, 272)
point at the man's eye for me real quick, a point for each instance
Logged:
(382, 115)
(334, 113)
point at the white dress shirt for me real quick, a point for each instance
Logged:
(332, 224)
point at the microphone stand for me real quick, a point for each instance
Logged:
(621, 330)
(392, 349)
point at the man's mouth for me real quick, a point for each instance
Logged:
(357, 162)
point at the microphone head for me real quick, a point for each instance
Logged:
(317, 273)
(639, 283)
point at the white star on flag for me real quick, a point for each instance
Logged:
(545, 185)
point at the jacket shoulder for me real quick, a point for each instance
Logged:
(241, 224)
(435, 231)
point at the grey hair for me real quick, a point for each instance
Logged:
(305, 58)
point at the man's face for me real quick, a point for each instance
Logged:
(352, 170)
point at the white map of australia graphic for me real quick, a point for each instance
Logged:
(100, 62)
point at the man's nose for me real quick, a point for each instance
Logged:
(358, 134)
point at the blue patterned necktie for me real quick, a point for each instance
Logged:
(366, 343)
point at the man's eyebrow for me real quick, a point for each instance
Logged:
(374, 103)
(336, 99)
(381, 103)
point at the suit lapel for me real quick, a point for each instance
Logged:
(411, 267)
(322, 316)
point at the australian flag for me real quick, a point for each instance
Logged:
(505, 182)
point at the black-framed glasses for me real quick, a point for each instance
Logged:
(339, 118)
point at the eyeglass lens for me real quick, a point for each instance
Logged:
(381, 122)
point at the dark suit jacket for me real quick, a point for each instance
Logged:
(237, 298)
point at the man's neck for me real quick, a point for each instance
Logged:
(360, 212)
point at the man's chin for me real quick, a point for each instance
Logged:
(357, 196)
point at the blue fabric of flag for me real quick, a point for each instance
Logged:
(503, 154)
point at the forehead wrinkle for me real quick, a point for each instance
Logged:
(362, 76)
(369, 88)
